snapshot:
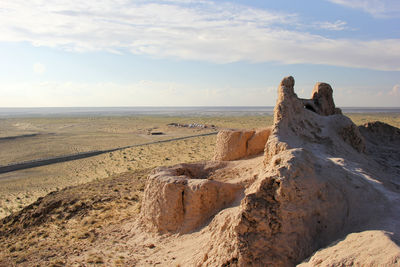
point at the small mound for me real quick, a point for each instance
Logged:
(75, 201)
(380, 133)
(382, 143)
(369, 248)
(59, 227)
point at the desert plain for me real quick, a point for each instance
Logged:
(37, 138)
(104, 189)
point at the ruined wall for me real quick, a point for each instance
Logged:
(237, 144)
(314, 184)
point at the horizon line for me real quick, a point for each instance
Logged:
(223, 106)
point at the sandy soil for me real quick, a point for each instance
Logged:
(21, 188)
(37, 138)
(61, 136)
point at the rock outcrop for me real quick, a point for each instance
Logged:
(237, 144)
(317, 181)
(383, 141)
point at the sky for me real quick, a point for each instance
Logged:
(196, 53)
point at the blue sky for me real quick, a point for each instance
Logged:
(196, 53)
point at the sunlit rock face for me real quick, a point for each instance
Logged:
(237, 144)
(310, 189)
(181, 198)
(316, 182)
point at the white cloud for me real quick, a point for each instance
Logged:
(377, 8)
(364, 96)
(338, 25)
(39, 68)
(395, 90)
(190, 30)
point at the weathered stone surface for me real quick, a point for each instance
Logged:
(299, 125)
(256, 143)
(237, 144)
(322, 96)
(305, 196)
(309, 192)
(382, 142)
(232, 144)
(321, 101)
(181, 198)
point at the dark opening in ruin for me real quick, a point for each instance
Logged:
(183, 202)
(309, 107)
(184, 171)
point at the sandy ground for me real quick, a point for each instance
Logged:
(23, 187)
(37, 138)
(61, 136)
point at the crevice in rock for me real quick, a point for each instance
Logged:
(309, 107)
(183, 201)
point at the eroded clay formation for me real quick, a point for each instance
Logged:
(316, 178)
(182, 198)
(237, 144)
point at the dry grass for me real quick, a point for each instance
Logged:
(60, 136)
(70, 221)
(389, 118)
